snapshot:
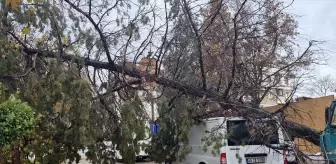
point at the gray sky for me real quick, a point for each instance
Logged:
(317, 20)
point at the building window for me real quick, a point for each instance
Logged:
(280, 92)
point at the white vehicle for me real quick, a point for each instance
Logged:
(290, 153)
(240, 144)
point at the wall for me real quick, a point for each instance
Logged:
(307, 112)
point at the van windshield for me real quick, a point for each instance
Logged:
(240, 132)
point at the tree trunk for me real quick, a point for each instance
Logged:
(16, 158)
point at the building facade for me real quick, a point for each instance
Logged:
(282, 90)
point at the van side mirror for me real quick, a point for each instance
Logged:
(327, 115)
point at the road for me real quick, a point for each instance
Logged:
(86, 162)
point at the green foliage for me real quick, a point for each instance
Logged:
(132, 130)
(16, 120)
(118, 133)
(9, 63)
(215, 139)
(63, 99)
(171, 144)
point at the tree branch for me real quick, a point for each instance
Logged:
(234, 50)
(293, 63)
(108, 10)
(102, 37)
(199, 42)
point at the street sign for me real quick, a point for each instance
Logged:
(155, 128)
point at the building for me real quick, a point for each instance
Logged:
(148, 65)
(280, 92)
(309, 112)
(145, 65)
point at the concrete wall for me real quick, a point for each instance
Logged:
(307, 112)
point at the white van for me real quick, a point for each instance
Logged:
(240, 143)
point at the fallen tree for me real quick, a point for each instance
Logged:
(295, 129)
(60, 55)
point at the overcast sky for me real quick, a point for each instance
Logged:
(317, 20)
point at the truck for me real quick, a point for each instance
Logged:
(328, 136)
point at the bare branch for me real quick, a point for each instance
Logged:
(199, 42)
(108, 10)
(311, 43)
(234, 50)
(102, 37)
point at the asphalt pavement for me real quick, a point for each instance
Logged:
(86, 162)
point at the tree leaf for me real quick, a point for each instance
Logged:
(26, 30)
(67, 108)
(32, 9)
(57, 107)
(14, 4)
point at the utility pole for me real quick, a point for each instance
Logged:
(152, 106)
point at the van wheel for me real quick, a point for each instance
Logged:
(201, 163)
